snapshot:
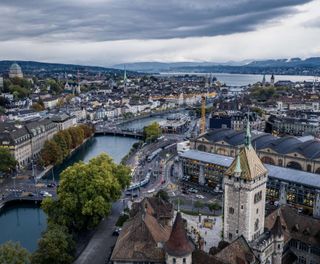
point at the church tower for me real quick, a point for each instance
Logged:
(244, 194)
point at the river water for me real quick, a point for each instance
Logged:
(24, 223)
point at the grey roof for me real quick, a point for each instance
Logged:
(12, 132)
(279, 173)
(310, 149)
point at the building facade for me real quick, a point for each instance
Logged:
(291, 152)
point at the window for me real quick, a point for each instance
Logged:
(231, 210)
(241, 206)
(174, 261)
(258, 197)
(257, 211)
(184, 260)
(256, 225)
(230, 236)
(302, 260)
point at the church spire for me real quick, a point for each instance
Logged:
(247, 141)
(125, 75)
(238, 170)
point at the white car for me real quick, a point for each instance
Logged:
(199, 196)
(46, 194)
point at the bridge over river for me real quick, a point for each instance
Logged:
(116, 131)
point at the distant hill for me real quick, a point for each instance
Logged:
(309, 66)
(34, 67)
(154, 67)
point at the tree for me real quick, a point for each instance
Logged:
(8, 162)
(87, 130)
(51, 153)
(37, 107)
(56, 246)
(214, 207)
(13, 253)
(61, 141)
(86, 192)
(67, 138)
(55, 86)
(77, 136)
(152, 132)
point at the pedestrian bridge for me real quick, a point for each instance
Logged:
(119, 132)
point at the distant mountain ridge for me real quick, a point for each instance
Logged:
(309, 66)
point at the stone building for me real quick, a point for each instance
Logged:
(15, 71)
(244, 195)
(16, 138)
(40, 131)
(64, 121)
(288, 151)
(25, 140)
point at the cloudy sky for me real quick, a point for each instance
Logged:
(106, 32)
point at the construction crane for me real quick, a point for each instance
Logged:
(203, 115)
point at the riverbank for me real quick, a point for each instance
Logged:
(22, 224)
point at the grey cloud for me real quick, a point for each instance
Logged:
(103, 20)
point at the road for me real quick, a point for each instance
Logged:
(100, 246)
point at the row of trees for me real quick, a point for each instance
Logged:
(59, 147)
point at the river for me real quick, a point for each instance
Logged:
(24, 223)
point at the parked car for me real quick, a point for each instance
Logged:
(117, 231)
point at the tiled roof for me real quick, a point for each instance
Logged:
(139, 238)
(179, 244)
(237, 252)
(251, 165)
(294, 225)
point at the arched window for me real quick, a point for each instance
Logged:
(268, 160)
(202, 148)
(309, 168)
(294, 165)
(280, 162)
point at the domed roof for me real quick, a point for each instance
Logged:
(15, 66)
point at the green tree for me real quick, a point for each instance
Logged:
(18, 91)
(51, 153)
(77, 136)
(152, 132)
(67, 138)
(55, 86)
(86, 192)
(56, 246)
(61, 140)
(213, 207)
(8, 162)
(13, 253)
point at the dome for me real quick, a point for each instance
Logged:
(15, 67)
(15, 71)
